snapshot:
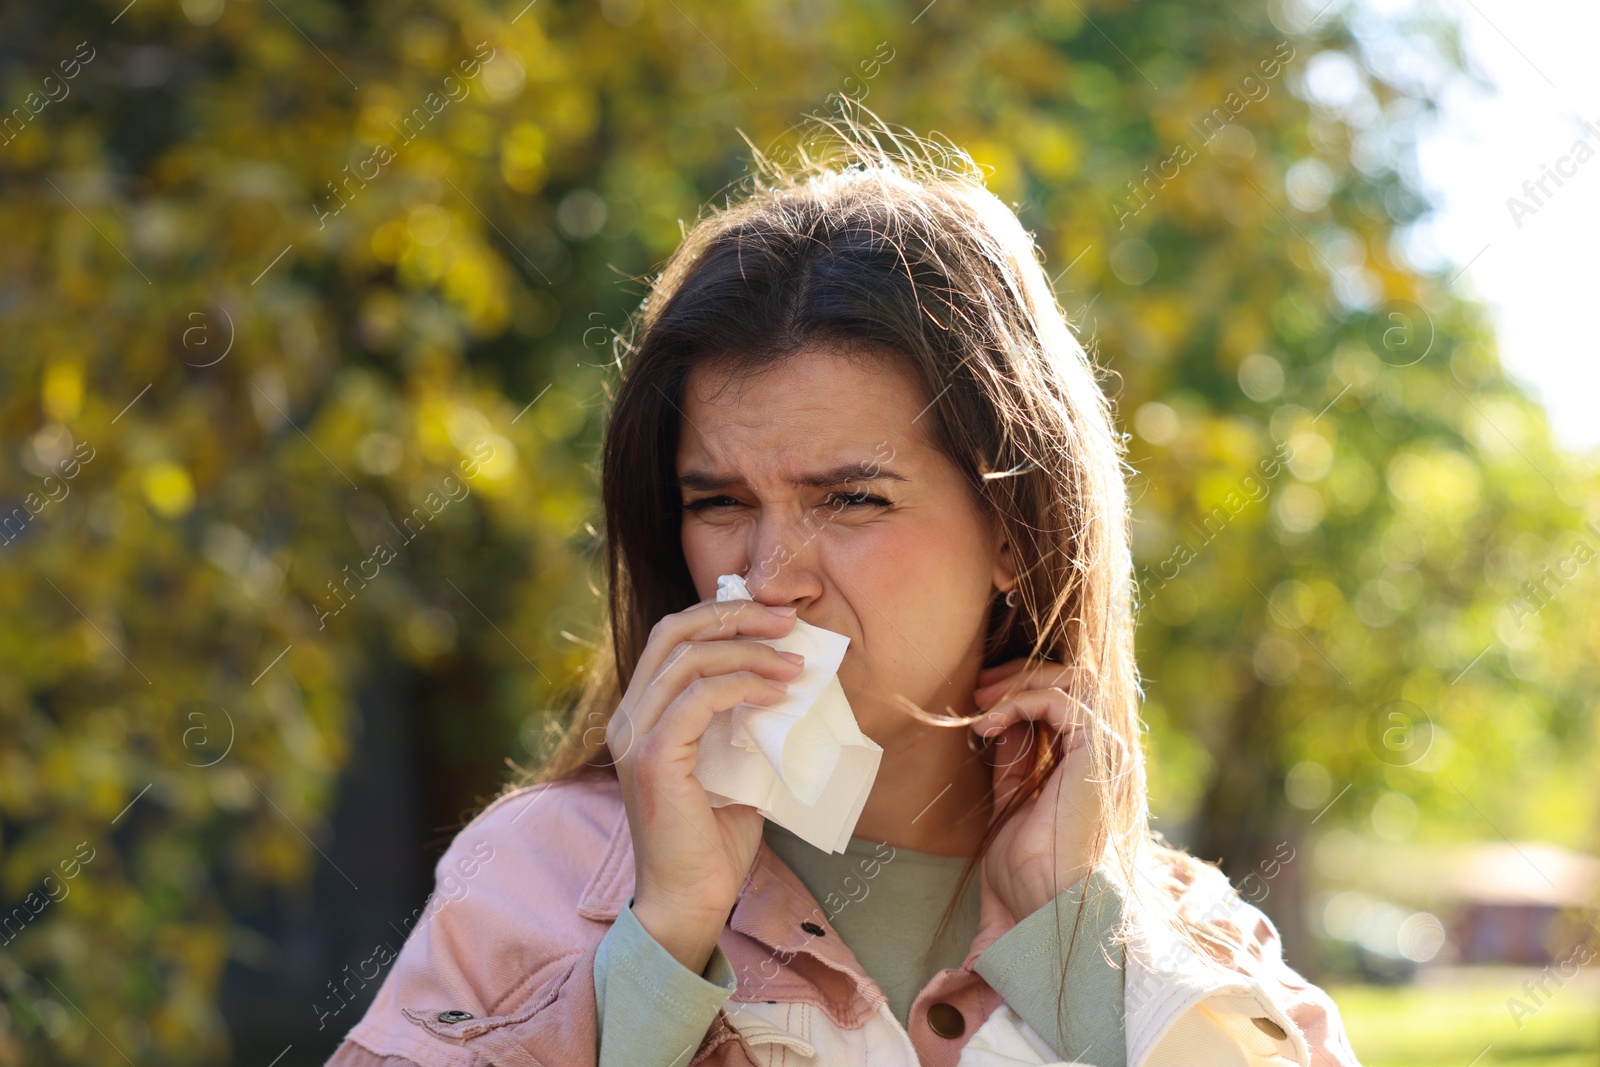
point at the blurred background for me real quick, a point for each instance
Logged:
(271, 270)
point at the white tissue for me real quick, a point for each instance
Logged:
(802, 762)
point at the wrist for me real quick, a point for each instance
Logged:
(1028, 894)
(690, 939)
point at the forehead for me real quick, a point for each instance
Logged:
(810, 407)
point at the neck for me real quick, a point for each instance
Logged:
(932, 794)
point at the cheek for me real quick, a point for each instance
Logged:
(700, 555)
(920, 593)
(935, 560)
(711, 550)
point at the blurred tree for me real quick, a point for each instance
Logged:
(306, 309)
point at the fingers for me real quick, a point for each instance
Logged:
(1021, 675)
(707, 621)
(675, 646)
(989, 675)
(1020, 730)
(1024, 692)
(1052, 706)
(1012, 668)
(704, 659)
(676, 734)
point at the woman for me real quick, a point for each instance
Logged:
(854, 389)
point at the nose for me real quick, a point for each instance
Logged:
(784, 562)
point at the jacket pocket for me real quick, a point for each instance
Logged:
(482, 1033)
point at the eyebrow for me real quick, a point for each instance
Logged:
(844, 474)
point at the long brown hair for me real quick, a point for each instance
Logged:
(882, 240)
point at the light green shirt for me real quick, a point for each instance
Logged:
(654, 1012)
(885, 902)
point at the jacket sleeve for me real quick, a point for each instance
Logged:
(1312, 1010)
(652, 1010)
(498, 968)
(1025, 966)
(1260, 956)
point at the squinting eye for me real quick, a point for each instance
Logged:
(861, 499)
(843, 499)
(708, 502)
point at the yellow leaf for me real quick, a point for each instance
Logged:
(168, 490)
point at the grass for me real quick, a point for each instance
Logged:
(1464, 1020)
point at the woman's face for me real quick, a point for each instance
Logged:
(813, 480)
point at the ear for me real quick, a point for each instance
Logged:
(1005, 564)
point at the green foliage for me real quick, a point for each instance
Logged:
(286, 282)
(1426, 1026)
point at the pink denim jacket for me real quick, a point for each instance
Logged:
(500, 970)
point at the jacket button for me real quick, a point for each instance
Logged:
(1270, 1028)
(945, 1020)
(454, 1016)
(813, 929)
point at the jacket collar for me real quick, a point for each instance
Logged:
(612, 883)
(774, 957)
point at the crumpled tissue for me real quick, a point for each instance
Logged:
(802, 762)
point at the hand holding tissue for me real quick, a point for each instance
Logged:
(802, 762)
